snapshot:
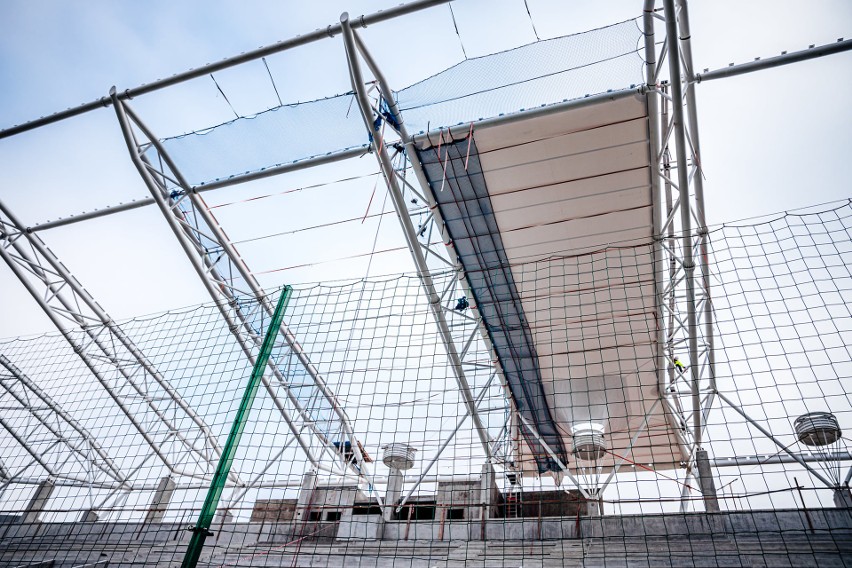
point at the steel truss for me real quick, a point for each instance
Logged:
(176, 434)
(429, 244)
(686, 286)
(685, 308)
(685, 357)
(179, 437)
(316, 423)
(52, 437)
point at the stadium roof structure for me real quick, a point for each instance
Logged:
(560, 313)
(546, 215)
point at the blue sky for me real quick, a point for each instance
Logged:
(772, 141)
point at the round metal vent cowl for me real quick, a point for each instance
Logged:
(817, 429)
(588, 441)
(399, 456)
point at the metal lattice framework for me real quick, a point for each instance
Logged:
(240, 300)
(683, 285)
(685, 363)
(173, 430)
(56, 440)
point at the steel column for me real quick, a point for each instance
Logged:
(685, 217)
(698, 184)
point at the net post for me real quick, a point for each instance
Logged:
(201, 530)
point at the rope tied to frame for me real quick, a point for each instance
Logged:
(224, 95)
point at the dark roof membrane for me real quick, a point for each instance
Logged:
(464, 203)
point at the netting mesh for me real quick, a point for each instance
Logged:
(781, 294)
(533, 75)
(536, 74)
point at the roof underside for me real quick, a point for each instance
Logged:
(551, 218)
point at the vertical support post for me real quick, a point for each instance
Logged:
(652, 96)
(685, 216)
(396, 480)
(706, 482)
(223, 469)
(653, 104)
(843, 497)
(160, 502)
(38, 501)
(306, 493)
(594, 506)
(487, 490)
(698, 185)
(89, 516)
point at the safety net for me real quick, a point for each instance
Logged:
(541, 73)
(79, 485)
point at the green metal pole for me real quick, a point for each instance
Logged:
(201, 530)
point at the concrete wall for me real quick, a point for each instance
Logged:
(819, 532)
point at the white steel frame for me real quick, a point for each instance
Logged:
(229, 283)
(50, 435)
(681, 242)
(154, 408)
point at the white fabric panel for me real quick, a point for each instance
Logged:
(572, 199)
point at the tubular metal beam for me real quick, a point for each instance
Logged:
(233, 180)
(322, 33)
(685, 217)
(410, 234)
(777, 442)
(53, 419)
(656, 193)
(135, 383)
(665, 277)
(741, 461)
(840, 46)
(698, 185)
(201, 235)
(660, 268)
(109, 210)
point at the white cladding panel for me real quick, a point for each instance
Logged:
(572, 199)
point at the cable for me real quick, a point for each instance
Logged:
(265, 64)
(532, 23)
(224, 95)
(456, 26)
